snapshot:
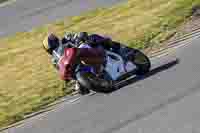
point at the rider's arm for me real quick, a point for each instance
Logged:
(99, 40)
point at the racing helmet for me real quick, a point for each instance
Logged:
(50, 43)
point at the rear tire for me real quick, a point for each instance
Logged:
(142, 62)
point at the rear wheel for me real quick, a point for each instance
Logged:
(142, 62)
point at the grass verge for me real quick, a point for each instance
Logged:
(28, 81)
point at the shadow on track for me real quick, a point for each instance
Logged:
(151, 73)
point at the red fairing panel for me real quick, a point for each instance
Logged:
(66, 63)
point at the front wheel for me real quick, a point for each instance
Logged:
(92, 82)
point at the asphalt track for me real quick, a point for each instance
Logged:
(164, 101)
(23, 15)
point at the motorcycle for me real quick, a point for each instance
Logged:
(116, 67)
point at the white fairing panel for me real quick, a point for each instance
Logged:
(130, 66)
(116, 67)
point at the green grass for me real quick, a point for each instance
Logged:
(28, 81)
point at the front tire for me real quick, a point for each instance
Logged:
(90, 81)
(82, 90)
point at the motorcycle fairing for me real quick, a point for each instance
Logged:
(116, 66)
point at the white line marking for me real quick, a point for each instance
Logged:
(73, 100)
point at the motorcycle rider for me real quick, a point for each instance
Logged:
(55, 47)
